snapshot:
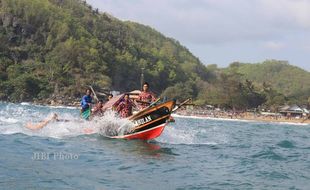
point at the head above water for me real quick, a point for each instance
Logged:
(146, 86)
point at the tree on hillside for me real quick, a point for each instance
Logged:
(57, 47)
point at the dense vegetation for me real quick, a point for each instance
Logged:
(268, 84)
(55, 48)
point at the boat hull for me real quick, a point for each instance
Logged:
(150, 122)
(144, 135)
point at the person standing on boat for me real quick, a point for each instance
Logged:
(124, 108)
(146, 97)
(86, 104)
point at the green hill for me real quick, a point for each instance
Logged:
(283, 77)
(55, 48)
(278, 81)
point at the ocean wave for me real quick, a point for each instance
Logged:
(64, 107)
(286, 144)
(211, 118)
(239, 120)
(68, 126)
(190, 134)
(25, 103)
(268, 154)
(8, 120)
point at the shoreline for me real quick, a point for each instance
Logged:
(57, 106)
(245, 118)
(248, 119)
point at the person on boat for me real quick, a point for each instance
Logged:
(110, 96)
(97, 110)
(86, 104)
(104, 107)
(146, 97)
(124, 108)
(43, 123)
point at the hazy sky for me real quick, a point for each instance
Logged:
(223, 31)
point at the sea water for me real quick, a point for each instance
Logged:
(192, 153)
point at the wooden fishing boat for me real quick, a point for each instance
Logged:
(150, 122)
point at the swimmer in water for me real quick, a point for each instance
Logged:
(53, 118)
(43, 123)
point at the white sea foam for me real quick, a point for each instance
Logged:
(54, 107)
(25, 103)
(193, 134)
(8, 120)
(68, 125)
(13, 118)
(291, 123)
(237, 120)
(173, 135)
(64, 107)
(211, 118)
(111, 125)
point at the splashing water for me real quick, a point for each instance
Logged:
(190, 154)
(190, 131)
(14, 117)
(111, 125)
(193, 132)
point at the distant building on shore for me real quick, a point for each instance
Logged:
(294, 111)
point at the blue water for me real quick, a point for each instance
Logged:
(190, 154)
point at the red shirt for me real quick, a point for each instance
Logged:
(146, 97)
(125, 108)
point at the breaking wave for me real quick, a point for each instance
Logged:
(111, 125)
(14, 117)
(238, 120)
(193, 132)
